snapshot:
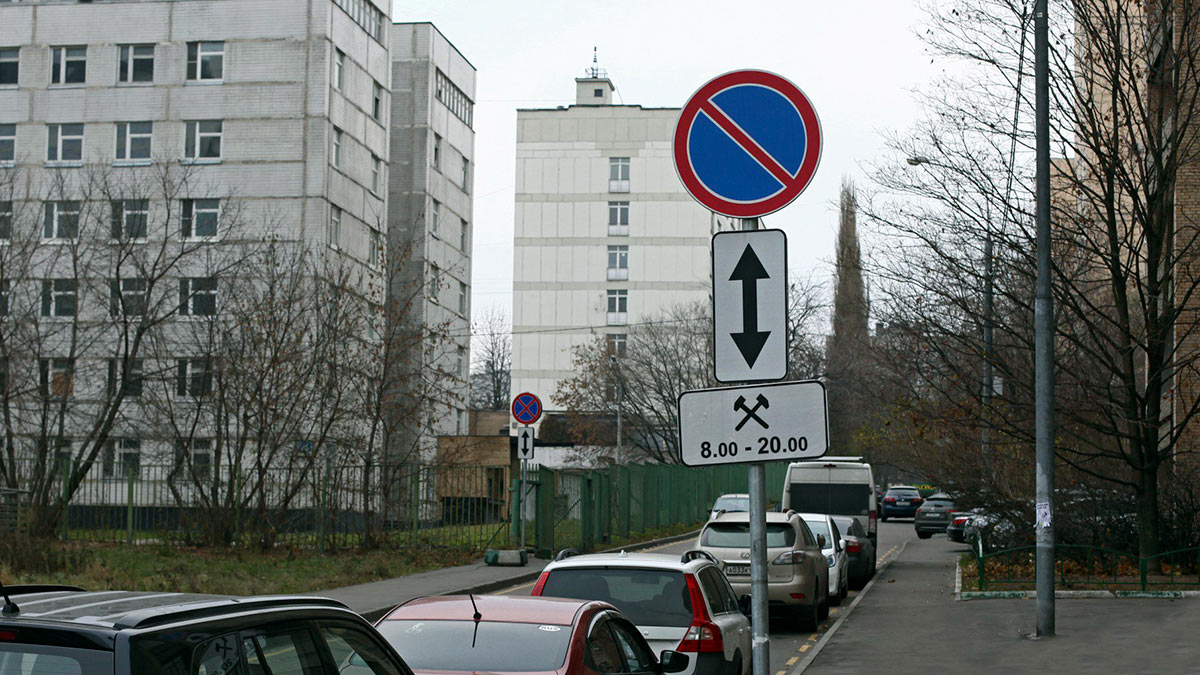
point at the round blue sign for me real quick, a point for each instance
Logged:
(526, 408)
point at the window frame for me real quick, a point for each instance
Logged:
(339, 69)
(435, 210)
(333, 229)
(335, 148)
(191, 371)
(11, 55)
(377, 97)
(202, 291)
(194, 141)
(124, 292)
(436, 157)
(618, 262)
(464, 235)
(196, 58)
(190, 209)
(53, 227)
(6, 220)
(617, 307)
(376, 173)
(125, 142)
(121, 210)
(619, 172)
(618, 219)
(60, 60)
(56, 375)
(127, 62)
(8, 139)
(136, 385)
(57, 139)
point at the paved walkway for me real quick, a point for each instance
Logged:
(909, 622)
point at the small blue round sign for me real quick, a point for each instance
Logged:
(526, 408)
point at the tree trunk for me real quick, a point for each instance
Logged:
(1148, 516)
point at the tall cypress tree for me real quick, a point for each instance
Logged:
(848, 345)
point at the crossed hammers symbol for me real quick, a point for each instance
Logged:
(740, 404)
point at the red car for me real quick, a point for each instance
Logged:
(502, 634)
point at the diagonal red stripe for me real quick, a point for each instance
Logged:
(746, 143)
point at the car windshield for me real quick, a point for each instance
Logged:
(648, 597)
(732, 504)
(849, 499)
(737, 535)
(940, 501)
(21, 659)
(486, 646)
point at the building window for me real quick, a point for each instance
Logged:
(464, 237)
(130, 219)
(618, 263)
(128, 297)
(435, 211)
(376, 252)
(377, 102)
(58, 297)
(200, 450)
(10, 64)
(615, 344)
(122, 459)
(466, 175)
(618, 308)
(193, 377)
(134, 381)
(61, 221)
(5, 294)
(434, 281)
(335, 154)
(453, 98)
(334, 232)
(68, 65)
(376, 173)
(198, 296)
(462, 298)
(437, 152)
(618, 219)
(202, 140)
(136, 63)
(64, 142)
(8, 142)
(618, 174)
(339, 68)
(200, 218)
(597, 93)
(133, 140)
(6, 218)
(460, 361)
(460, 422)
(57, 377)
(366, 15)
(205, 61)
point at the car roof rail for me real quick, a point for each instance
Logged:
(566, 553)
(27, 589)
(689, 556)
(154, 616)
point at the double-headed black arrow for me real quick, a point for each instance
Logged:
(748, 271)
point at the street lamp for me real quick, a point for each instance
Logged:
(616, 366)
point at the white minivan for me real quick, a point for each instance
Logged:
(836, 486)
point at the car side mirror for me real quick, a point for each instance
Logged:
(673, 662)
(744, 604)
(820, 541)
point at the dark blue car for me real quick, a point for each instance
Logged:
(900, 501)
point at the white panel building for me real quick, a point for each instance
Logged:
(605, 235)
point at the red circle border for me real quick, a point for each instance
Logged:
(513, 408)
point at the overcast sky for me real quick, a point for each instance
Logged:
(857, 61)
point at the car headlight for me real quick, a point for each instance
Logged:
(831, 560)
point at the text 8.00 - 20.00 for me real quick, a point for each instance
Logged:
(766, 445)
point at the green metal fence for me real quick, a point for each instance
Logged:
(1082, 566)
(329, 506)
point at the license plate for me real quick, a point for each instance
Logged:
(933, 515)
(738, 570)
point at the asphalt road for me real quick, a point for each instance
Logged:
(788, 643)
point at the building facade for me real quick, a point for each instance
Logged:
(605, 235)
(430, 230)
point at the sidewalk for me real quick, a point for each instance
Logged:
(374, 599)
(909, 622)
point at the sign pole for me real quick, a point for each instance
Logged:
(521, 504)
(760, 646)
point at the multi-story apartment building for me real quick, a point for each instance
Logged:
(275, 112)
(605, 235)
(430, 225)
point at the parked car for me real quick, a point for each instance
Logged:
(834, 552)
(933, 516)
(992, 531)
(900, 501)
(63, 629)
(681, 603)
(957, 529)
(839, 486)
(797, 574)
(730, 503)
(513, 634)
(860, 551)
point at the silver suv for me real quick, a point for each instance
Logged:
(679, 603)
(797, 571)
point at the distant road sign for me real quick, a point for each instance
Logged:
(525, 443)
(747, 143)
(526, 408)
(750, 305)
(753, 424)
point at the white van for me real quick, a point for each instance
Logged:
(837, 486)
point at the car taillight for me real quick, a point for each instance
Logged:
(871, 526)
(918, 500)
(853, 547)
(702, 636)
(959, 521)
(889, 500)
(541, 583)
(789, 558)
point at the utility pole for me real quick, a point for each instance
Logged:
(1043, 316)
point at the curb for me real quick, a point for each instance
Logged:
(812, 654)
(962, 596)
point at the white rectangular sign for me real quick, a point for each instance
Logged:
(525, 442)
(750, 305)
(785, 421)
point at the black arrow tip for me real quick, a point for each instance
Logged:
(748, 267)
(750, 344)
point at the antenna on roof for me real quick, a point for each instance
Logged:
(477, 615)
(594, 72)
(10, 607)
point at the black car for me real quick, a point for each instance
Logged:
(959, 520)
(860, 552)
(934, 515)
(900, 501)
(62, 629)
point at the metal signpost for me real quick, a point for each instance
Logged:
(526, 409)
(746, 144)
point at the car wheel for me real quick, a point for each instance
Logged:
(883, 517)
(809, 616)
(924, 535)
(737, 665)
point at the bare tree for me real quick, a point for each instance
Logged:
(491, 374)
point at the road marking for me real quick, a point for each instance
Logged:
(812, 638)
(805, 648)
(781, 672)
(792, 661)
(833, 610)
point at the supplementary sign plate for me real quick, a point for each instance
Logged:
(785, 421)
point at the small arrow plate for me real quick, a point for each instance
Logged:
(750, 305)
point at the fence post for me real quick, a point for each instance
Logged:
(626, 500)
(1142, 570)
(414, 504)
(544, 527)
(979, 560)
(129, 508)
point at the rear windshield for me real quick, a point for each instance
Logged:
(19, 659)
(847, 499)
(732, 504)
(486, 646)
(906, 493)
(848, 526)
(938, 501)
(648, 597)
(737, 535)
